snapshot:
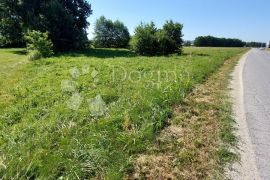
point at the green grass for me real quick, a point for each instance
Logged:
(198, 142)
(49, 132)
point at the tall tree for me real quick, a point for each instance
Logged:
(11, 31)
(65, 20)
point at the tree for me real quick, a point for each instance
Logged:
(174, 33)
(144, 41)
(65, 20)
(109, 34)
(148, 40)
(11, 32)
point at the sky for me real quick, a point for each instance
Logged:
(248, 20)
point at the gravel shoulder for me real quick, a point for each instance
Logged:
(246, 168)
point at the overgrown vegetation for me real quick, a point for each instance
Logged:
(47, 127)
(148, 40)
(196, 143)
(109, 34)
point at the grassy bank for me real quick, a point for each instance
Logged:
(196, 143)
(83, 115)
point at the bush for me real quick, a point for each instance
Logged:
(109, 34)
(165, 43)
(148, 40)
(144, 41)
(38, 45)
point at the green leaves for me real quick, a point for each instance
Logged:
(109, 34)
(38, 45)
(148, 40)
(66, 21)
(210, 41)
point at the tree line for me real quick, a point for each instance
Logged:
(255, 44)
(147, 39)
(65, 21)
(61, 25)
(210, 41)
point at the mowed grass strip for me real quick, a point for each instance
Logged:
(50, 132)
(197, 142)
(12, 62)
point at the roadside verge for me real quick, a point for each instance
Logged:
(246, 167)
(199, 137)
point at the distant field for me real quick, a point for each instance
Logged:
(84, 115)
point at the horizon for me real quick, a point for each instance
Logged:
(224, 19)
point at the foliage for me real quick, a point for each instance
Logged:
(187, 43)
(255, 44)
(148, 40)
(210, 41)
(11, 33)
(144, 41)
(38, 45)
(66, 21)
(109, 34)
(174, 32)
(52, 141)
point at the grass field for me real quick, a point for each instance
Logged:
(86, 115)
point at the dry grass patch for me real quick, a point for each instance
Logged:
(195, 144)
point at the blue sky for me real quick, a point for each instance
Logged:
(248, 20)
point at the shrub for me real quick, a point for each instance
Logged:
(148, 40)
(38, 45)
(109, 34)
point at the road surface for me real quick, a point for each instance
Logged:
(253, 111)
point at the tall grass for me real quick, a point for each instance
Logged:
(50, 131)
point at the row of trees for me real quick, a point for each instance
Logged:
(255, 44)
(147, 40)
(210, 41)
(64, 20)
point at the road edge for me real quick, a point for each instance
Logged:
(246, 168)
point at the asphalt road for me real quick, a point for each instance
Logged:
(256, 101)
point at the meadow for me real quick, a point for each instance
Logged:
(88, 114)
